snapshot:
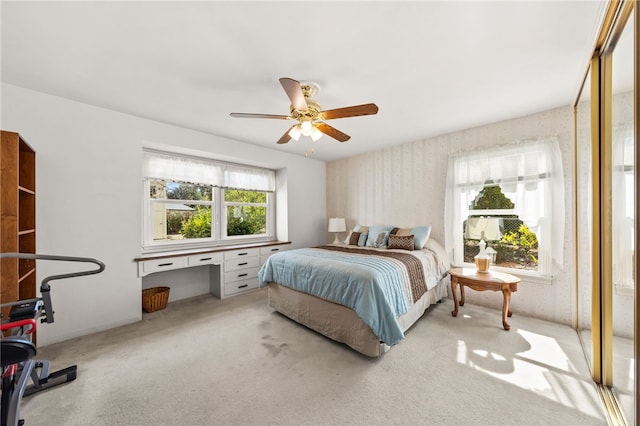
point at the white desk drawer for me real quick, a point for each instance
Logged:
(158, 265)
(240, 254)
(265, 252)
(241, 263)
(205, 259)
(273, 249)
(240, 286)
(241, 274)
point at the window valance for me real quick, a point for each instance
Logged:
(180, 168)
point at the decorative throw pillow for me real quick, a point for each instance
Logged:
(374, 232)
(354, 238)
(381, 240)
(401, 231)
(358, 228)
(403, 242)
(363, 239)
(420, 234)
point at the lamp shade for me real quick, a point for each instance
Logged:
(337, 224)
(483, 228)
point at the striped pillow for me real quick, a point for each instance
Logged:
(403, 242)
(354, 238)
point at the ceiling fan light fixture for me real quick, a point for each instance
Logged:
(295, 132)
(315, 134)
(306, 127)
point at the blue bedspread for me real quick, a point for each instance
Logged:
(375, 287)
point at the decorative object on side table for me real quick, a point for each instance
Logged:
(482, 259)
(336, 225)
(484, 228)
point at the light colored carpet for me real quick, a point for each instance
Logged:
(206, 361)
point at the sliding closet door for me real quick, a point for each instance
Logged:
(622, 209)
(606, 123)
(584, 214)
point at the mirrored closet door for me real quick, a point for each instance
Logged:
(606, 120)
(584, 217)
(622, 215)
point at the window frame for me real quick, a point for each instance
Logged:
(490, 213)
(218, 213)
(270, 210)
(550, 220)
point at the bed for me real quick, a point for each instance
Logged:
(365, 296)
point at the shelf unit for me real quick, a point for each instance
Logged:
(17, 217)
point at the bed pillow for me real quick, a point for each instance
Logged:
(378, 236)
(403, 242)
(420, 235)
(358, 228)
(354, 237)
(363, 239)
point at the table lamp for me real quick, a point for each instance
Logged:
(484, 228)
(337, 224)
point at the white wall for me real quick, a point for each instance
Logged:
(88, 181)
(405, 185)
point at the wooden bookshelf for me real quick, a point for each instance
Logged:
(17, 217)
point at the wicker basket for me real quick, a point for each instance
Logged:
(154, 299)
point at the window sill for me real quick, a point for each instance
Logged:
(192, 245)
(527, 276)
(210, 249)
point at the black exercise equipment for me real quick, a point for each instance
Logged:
(17, 351)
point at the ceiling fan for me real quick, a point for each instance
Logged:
(309, 114)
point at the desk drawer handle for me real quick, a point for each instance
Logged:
(242, 254)
(166, 264)
(243, 286)
(243, 263)
(205, 259)
(242, 275)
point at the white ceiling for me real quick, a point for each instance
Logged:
(431, 67)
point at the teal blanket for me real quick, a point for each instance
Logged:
(376, 285)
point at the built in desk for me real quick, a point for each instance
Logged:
(233, 269)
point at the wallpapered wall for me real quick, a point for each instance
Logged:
(404, 185)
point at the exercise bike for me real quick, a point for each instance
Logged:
(22, 375)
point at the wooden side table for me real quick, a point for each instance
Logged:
(494, 281)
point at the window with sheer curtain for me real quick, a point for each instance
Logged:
(529, 174)
(191, 201)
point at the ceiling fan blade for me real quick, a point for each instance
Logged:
(294, 92)
(286, 137)
(249, 115)
(352, 111)
(333, 132)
